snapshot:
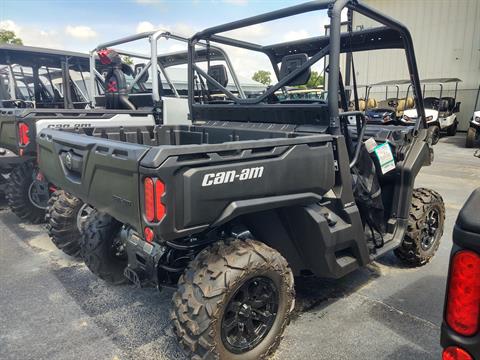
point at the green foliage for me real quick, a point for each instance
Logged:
(9, 37)
(127, 60)
(263, 77)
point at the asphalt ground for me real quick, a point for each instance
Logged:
(52, 307)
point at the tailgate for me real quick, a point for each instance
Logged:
(8, 134)
(101, 172)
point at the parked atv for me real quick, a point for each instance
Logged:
(473, 132)
(441, 112)
(255, 191)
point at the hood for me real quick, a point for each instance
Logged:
(412, 113)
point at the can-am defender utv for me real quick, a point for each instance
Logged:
(255, 191)
(32, 78)
(473, 132)
(441, 112)
(66, 213)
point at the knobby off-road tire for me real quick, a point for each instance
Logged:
(452, 130)
(434, 133)
(425, 228)
(471, 135)
(98, 248)
(62, 217)
(17, 194)
(213, 288)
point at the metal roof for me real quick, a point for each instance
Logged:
(392, 82)
(440, 80)
(30, 55)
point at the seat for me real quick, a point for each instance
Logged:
(372, 103)
(116, 94)
(431, 102)
(447, 104)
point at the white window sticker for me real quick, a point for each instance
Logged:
(385, 157)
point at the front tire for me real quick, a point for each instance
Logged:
(452, 130)
(471, 136)
(101, 249)
(17, 193)
(425, 228)
(434, 133)
(65, 216)
(233, 301)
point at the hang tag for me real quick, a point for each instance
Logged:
(385, 157)
(370, 145)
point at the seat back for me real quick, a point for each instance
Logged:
(430, 102)
(372, 103)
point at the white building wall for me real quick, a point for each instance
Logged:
(446, 36)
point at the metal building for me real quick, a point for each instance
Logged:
(446, 35)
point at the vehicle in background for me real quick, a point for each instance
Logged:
(301, 94)
(473, 132)
(441, 111)
(255, 190)
(390, 110)
(460, 335)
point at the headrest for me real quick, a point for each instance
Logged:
(138, 70)
(361, 105)
(219, 73)
(109, 57)
(290, 63)
(371, 103)
(410, 102)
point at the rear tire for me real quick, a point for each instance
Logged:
(434, 133)
(99, 248)
(63, 224)
(452, 130)
(425, 228)
(225, 292)
(471, 136)
(17, 193)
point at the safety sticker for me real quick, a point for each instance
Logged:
(385, 157)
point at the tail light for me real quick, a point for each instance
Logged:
(153, 191)
(455, 353)
(24, 138)
(463, 297)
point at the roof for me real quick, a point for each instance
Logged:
(362, 40)
(392, 82)
(181, 57)
(440, 80)
(30, 55)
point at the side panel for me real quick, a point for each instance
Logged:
(8, 131)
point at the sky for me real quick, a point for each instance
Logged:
(80, 25)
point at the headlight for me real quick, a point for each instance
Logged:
(429, 118)
(386, 118)
(407, 119)
(477, 119)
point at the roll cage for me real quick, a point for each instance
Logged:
(392, 35)
(48, 64)
(160, 62)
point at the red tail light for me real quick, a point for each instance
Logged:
(149, 199)
(23, 136)
(154, 208)
(463, 300)
(455, 353)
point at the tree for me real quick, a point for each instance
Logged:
(9, 37)
(127, 60)
(263, 77)
(315, 80)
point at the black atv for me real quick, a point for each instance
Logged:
(255, 191)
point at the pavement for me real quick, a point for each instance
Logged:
(52, 307)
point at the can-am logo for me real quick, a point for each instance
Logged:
(225, 177)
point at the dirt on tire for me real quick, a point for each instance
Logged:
(210, 281)
(17, 194)
(61, 217)
(411, 251)
(97, 248)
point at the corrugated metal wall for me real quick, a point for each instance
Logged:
(446, 35)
